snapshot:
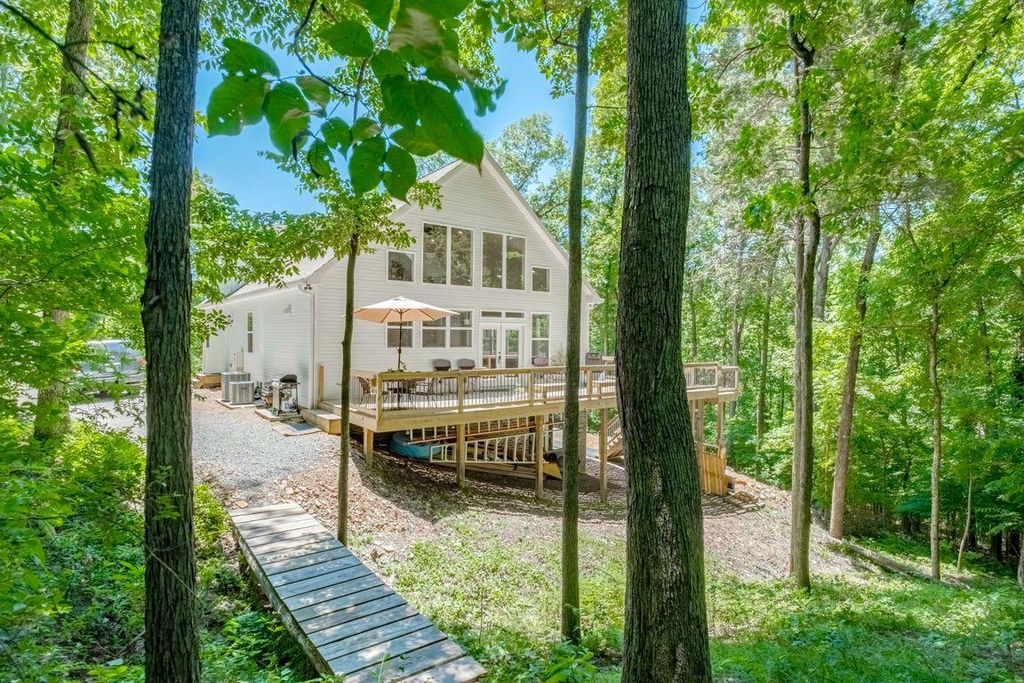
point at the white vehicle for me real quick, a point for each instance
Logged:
(114, 363)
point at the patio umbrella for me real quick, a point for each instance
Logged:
(400, 310)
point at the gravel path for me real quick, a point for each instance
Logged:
(398, 502)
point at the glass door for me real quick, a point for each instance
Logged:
(501, 345)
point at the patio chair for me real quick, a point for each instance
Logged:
(369, 394)
(441, 364)
(466, 364)
(540, 361)
(439, 386)
(594, 359)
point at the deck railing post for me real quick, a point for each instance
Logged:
(460, 391)
(538, 455)
(379, 382)
(531, 380)
(460, 454)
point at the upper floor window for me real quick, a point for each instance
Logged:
(447, 255)
(504, 261)
(541, 279)
(250, 330)
(400, 266)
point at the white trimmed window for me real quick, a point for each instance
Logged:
(541, 279)
(400, 266)
(396, 329)
(250, 331)
(455, 331)
(504, 261)
(540, 334)
(447, 255)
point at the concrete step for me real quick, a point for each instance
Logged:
(325, 421)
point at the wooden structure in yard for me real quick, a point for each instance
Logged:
(504, 420)
(346, 620)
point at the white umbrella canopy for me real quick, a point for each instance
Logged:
(400, 310)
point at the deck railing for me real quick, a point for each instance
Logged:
(458, 391)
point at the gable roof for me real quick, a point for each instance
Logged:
(308, 268)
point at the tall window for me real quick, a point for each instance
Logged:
(504, 261)
(399, 266)
(396, 329)
(250, 330)
(541, 279)
(447, 255)
(541, 335)
(455, 331)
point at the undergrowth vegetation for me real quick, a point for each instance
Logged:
(71, 573)
(501, 601)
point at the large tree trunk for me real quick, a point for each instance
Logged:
(850, 391)
(808, 233)
(933, 378)
(573, 423)
(828, 244)
(346, 389)
(666, 636)
(172, 631)
(52, 418)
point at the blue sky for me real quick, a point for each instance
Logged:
(236, 167)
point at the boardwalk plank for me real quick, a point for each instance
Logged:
(344, 617)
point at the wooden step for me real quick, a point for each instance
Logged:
(325, 421)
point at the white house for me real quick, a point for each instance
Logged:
(484, 254)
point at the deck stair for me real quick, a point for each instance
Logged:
(347, 621)
(326, 421)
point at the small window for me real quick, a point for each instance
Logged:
(515, 314)
(394, 329)
(432, 334)
(490, 314)
(250, 330)
(541, 333)
(461, 330)
(399, 266)
(541, 279)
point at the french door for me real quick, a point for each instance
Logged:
(501, 345)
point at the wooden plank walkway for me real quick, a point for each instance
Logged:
(348, 622)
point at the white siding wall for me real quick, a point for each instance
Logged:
(281, 341)
(469, 200)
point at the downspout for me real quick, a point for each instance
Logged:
(307, 288)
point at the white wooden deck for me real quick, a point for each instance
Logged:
(348, 622)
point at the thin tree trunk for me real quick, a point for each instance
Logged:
(346, 389)
(828, 244)
(573, 421)
(808, 233)
(850, 391)
(967, 527)
(1020, 565)
(933, 377)
(52, 418)
(172, 629)
(764, 354)
(666, 637)
(693, 324)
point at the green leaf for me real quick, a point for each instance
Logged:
(483, 100)
(245, 59)
(236, 102)
(349, 39)
(401, 174)
(337, 134)
(364, 165)
(320, 158)
(287, 115)
(386, 63)
(379, 11)
(442, 9)
(445, 124)
(315, 89)
(415, 141)
(398, 100)
(416, 29)
(363, 128)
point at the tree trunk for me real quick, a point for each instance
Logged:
(346, 389)
(764, 354)
(933, 377)
(172, 629)
(808, 233)
(828, 244)
(850, 392)
(1020, 565)
(571, 431)
(967, 527)
(52, 418)
(996, 545)
(666, 637)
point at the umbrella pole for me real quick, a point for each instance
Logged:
(401, 328)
